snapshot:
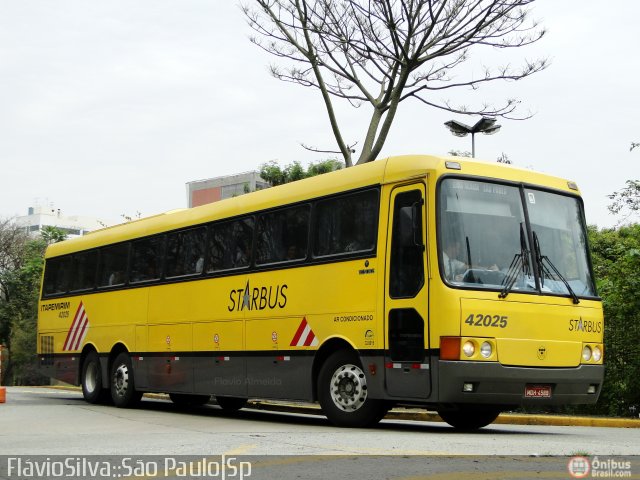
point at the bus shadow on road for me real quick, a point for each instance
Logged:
(211, 410)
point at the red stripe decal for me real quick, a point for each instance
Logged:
(310, 338)
(73, 324)
(81, 331)
(301, 328)
(76, 330)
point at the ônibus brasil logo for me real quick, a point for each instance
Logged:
(579, 467)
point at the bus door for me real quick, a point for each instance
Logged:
(407, 372)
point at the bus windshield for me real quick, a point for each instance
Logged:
(485, 242)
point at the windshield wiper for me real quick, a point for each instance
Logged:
(520, 261)
(543, 269)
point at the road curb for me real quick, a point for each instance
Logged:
(426, 416)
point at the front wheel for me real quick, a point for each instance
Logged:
(469, 418)
(123, 387)
(343, 393)
(92, 390)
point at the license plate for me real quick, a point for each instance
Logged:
(537, 391)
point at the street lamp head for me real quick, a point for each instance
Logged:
(491, 130)
(457, 128)
(486, 125)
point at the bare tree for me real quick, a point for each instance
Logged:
(382, 52)
(13, 241)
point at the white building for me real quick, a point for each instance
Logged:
(48, 216)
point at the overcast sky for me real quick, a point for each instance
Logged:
(110, 107)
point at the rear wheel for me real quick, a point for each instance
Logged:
(231, 403)
(470, 418)
(92, 379)
(123, 387)
(343, 393)
(189, 400)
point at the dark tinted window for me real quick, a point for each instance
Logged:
(346, 224)
(282, 235)
(83, 272)
(185, 252)
(146, 259)
(230, 245)
(56, 277)
(113, 265)
(407, 264)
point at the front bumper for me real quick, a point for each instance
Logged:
(496, 384)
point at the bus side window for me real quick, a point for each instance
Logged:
(346, 224)
(283, 235)
(230, 245)
(83, 272)
(146, 259)
(113, 265)
(185, 252)
(56, 277)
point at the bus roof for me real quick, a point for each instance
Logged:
(388, 170)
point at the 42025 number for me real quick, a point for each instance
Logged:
(481, 320)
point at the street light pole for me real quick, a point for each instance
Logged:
(486, 125)
(473, 145)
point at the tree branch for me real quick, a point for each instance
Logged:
(402, 49)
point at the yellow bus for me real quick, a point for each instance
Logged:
(455, 285)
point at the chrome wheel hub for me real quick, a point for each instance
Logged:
(121, 380)
(348, 388)
(91, 377)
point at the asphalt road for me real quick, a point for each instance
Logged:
(42, 421)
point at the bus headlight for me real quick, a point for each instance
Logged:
(597, 354)
(486, 350)
(586, 353)
(469, 348)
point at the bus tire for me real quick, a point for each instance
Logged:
(91, 379)
(342, 392)
(123, 387)
(231, 404)
(189, 400)
(470, 418)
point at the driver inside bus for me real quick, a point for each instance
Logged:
(454, 268)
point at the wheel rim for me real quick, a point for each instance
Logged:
(348, 388)
(121, 380)
(91, 377)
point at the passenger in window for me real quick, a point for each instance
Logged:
(243, 256)
(358, 242)
(148, 274)
(116, 278)
(454, 268)
(199, 265)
